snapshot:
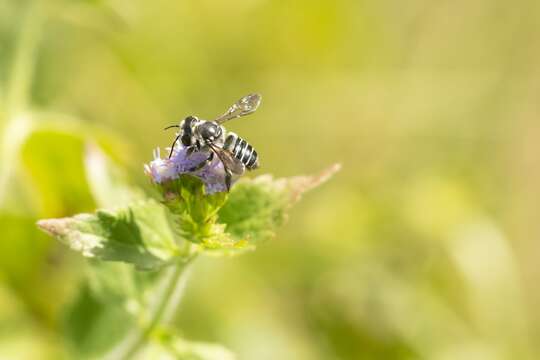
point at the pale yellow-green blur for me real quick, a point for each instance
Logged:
(425, 246)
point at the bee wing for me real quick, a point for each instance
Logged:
(228, 160)
(245, 106)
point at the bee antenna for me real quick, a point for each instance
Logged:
(172, 126)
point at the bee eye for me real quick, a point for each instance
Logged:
(190, 119)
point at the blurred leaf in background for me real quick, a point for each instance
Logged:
(425, 246)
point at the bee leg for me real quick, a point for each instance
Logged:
(193, 148)
(228, 172)
(202, 163)
(190, 150)
(228, 178)
(172, 146)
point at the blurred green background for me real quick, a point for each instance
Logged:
(425, 245)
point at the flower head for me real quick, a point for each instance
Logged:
(211, 172)
(159, 169)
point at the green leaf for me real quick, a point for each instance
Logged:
(114, 282)
(257, 207)
(113, 300)
(91, 325)
(23, 245)
(53, 161)
(26, 267)
(139, 234)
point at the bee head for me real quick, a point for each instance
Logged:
(191, 119)
(210, 131)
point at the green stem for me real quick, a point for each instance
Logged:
(162, 309)
(14, 126)
(25, 58)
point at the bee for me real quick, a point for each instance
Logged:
(235, 153)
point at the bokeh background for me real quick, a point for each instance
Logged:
(424, 246)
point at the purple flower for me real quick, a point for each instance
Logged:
(212, 173)
(159, 169)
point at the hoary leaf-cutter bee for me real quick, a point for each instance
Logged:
(235, 153)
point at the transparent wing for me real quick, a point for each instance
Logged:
(242, 107)
(228, 160)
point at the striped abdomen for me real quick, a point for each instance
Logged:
(242, 151)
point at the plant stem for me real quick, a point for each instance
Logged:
(162, 308)
(25, 58)
(14, 126)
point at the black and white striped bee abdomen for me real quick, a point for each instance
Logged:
(242, 151)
